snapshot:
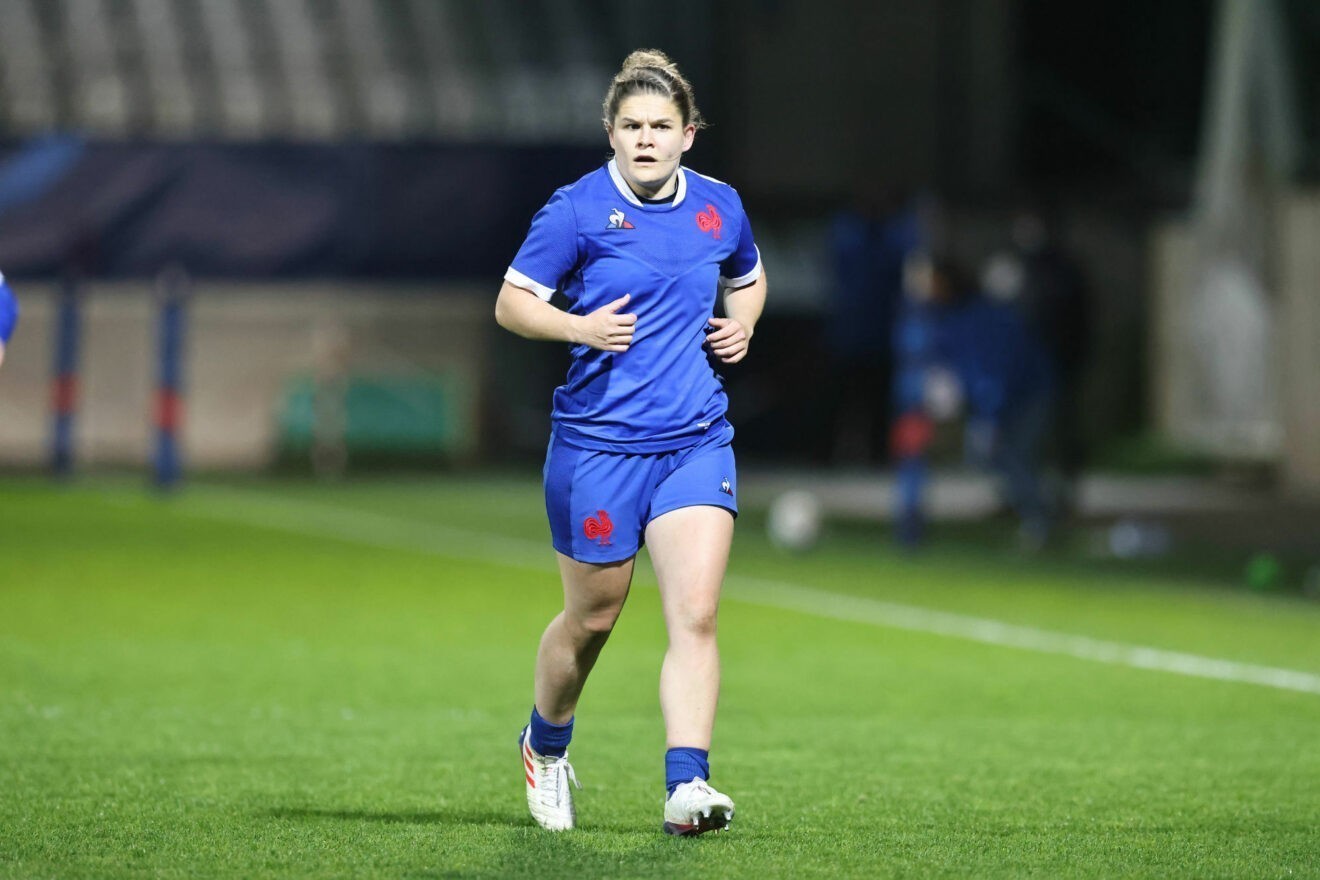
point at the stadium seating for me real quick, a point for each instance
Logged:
(305, 69)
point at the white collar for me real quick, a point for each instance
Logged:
(626, 191)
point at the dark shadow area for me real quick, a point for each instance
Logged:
(455, 816)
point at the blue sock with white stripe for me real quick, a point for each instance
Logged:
(549, 739)
(683, 764)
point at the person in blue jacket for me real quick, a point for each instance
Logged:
(1006, 381)
(8, 315)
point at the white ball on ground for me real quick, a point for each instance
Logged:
(795, 520)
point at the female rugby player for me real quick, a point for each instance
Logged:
(639, 449)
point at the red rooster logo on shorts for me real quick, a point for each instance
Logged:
(598, 527)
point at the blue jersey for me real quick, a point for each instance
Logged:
(595, 240)
(8, 311)
(1003, 366)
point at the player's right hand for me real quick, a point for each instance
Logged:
(606, 329)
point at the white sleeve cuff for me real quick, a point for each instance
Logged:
(744, 280)
(518, 279)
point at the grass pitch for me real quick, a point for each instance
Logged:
(283, 680)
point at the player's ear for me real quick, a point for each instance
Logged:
(689, 135)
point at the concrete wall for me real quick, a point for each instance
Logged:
(1299, 342)
(245, 343)
(1172, 381)
(1178, 390)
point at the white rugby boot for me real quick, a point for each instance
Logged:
(549, 798)
(695, 808)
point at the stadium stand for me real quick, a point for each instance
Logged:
(162, 53)
(101, 93)
(243, 70)
(25, 81)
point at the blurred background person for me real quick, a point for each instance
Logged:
(1008, 382)
(1040, 278)
(8, 315)
(960, 349)
(869, 240)
(918, 355)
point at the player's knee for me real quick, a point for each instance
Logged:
(597, 623)
(696, 621)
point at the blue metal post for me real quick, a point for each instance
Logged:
(172, 289)
(64, 391)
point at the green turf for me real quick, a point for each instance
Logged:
(274, 680)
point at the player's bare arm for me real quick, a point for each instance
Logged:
(732, 335)
(521, 311)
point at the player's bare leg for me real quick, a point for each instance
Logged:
(690, 550)
(593, 597)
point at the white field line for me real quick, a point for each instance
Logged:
(389, 532)
(316, 519)
(859, 609)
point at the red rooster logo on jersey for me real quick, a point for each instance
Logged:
(709, 220)
(598, 527)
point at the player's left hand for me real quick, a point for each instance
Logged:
(729, 340)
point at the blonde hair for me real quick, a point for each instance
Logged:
(650, 72)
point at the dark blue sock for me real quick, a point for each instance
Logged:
(683, 765)
(549, 739)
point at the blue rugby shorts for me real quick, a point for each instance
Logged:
(600, 502)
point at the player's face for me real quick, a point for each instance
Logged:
(649, 139)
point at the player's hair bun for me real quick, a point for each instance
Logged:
(652, 72)
(649, 58)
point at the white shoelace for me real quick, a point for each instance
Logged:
(553, 795)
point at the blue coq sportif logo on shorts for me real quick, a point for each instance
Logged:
(726, 487)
